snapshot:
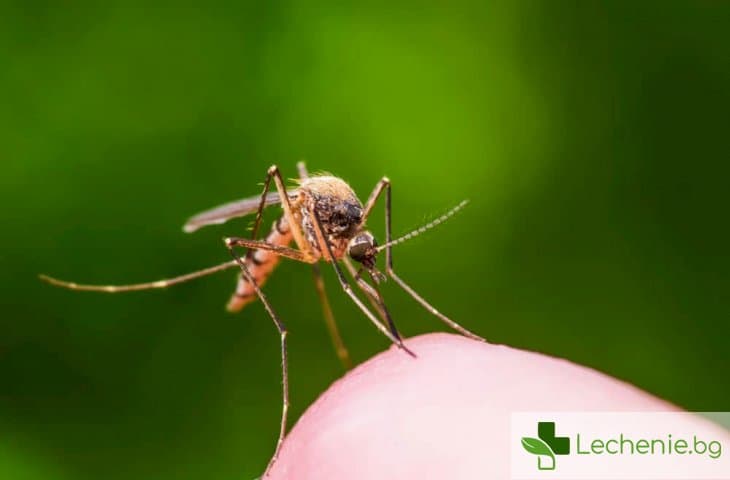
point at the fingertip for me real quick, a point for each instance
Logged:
(437, 416)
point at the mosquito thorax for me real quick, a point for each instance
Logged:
(336, 208)
(335, 203)
(362, 248)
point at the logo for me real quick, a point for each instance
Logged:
(546, 445)
(620, 445)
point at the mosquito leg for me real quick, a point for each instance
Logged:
(340, 348)
(389, 265)
(433, 310)
(329, 316)
(294, 225)
(260, 211)
(339, 345)
(348, 289)
(381, 185)
(355, 275)
(259, 214)
(262, 245)
(284, 369)
(373, 295)
(139, 286)
(372, 292)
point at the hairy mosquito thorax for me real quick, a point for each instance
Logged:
(337, 207)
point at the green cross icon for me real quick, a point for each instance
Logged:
(546, 445)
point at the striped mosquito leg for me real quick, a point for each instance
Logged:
(284, 368)
(348, 289)
(399, 281)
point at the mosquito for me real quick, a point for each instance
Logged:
(323, 217)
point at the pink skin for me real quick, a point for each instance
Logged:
(443, 415)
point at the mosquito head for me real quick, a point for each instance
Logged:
(363, 249)
(344, 217)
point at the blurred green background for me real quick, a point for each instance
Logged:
(591, 138)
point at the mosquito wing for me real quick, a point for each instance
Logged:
(237, 208)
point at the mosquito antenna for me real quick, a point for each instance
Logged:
(425, 227)
(139, 286)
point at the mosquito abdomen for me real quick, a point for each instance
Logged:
(260, 264)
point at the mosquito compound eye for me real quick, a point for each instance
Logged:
(361, 247)
(358, 251)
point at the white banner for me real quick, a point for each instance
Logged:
(626, 446)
